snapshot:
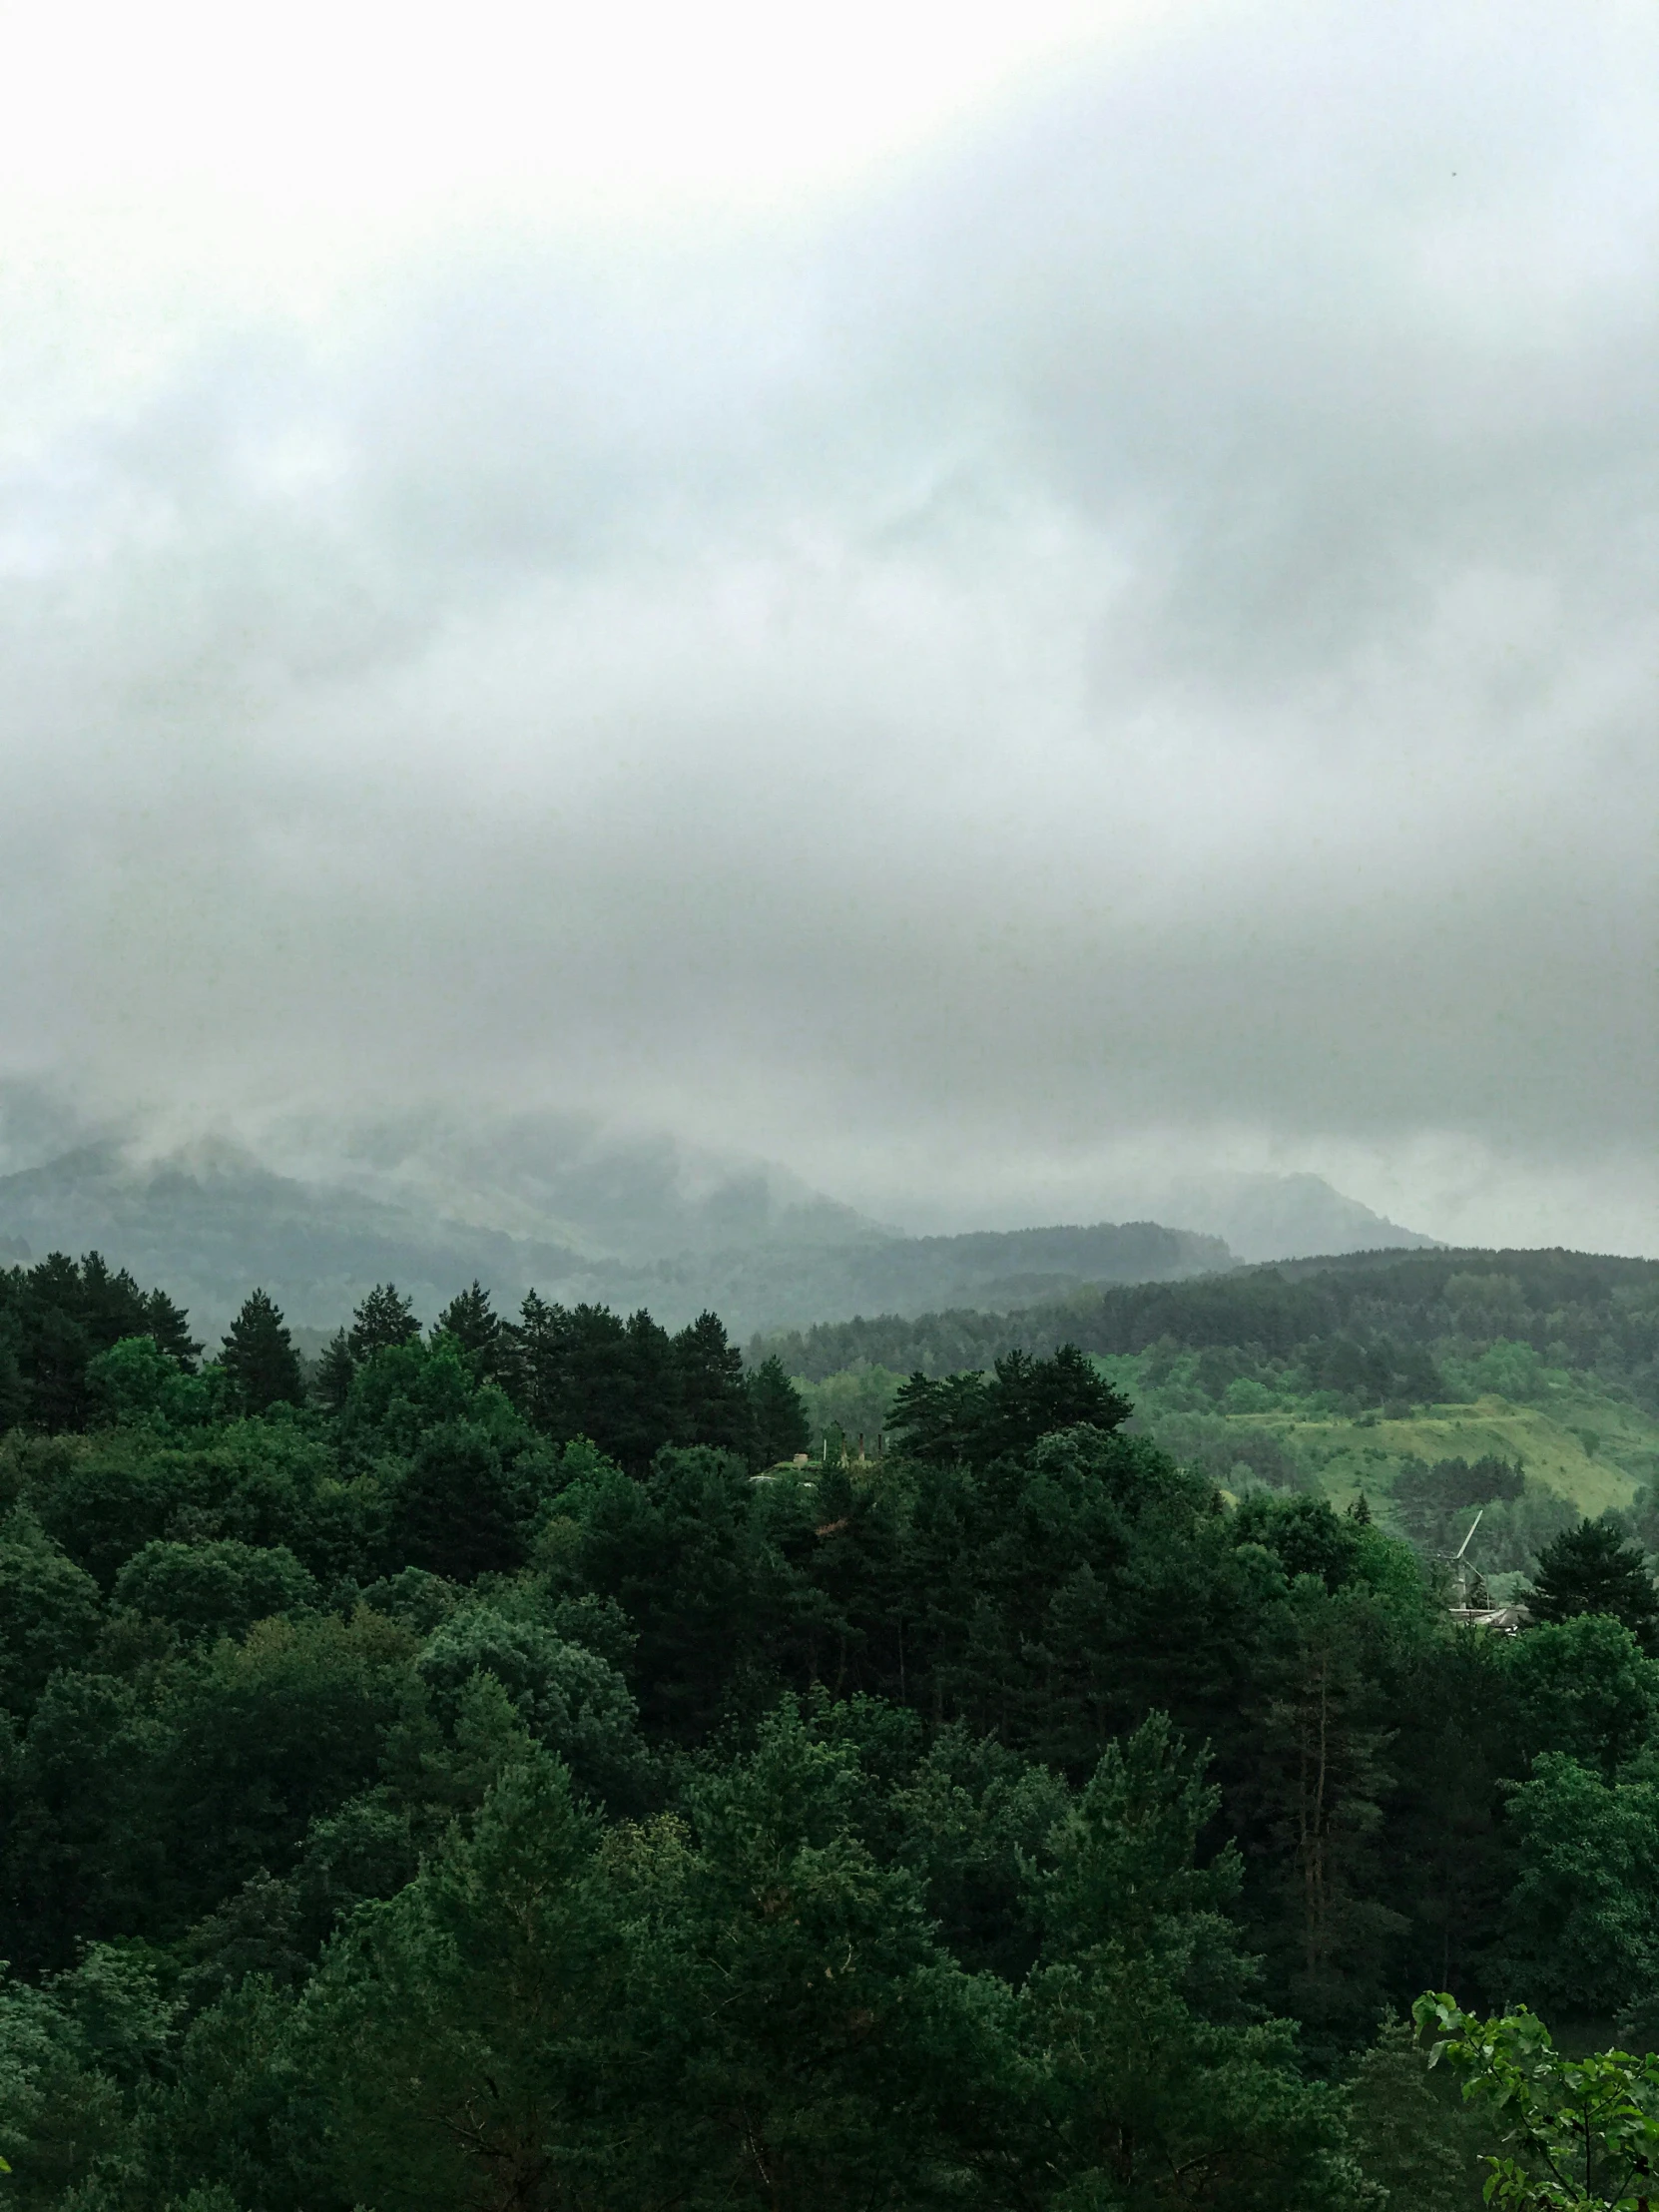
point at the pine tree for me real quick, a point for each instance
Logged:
(476, 1327)
(169, 1326)
(259, 1358)
(1411, 2138)
(780, 1425)
(1592, 1569)
(334, 1372)
(384, 1318)
(714, 1396)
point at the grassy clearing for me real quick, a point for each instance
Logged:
(1553, 1444)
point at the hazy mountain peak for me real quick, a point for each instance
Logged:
(606, 1191)
(1281, 1217)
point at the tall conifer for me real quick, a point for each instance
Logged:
(259, 1358)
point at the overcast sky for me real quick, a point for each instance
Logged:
(996, 604)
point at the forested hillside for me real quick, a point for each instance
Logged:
(1308, 1320)
(489, 1772)
(1387, 1375)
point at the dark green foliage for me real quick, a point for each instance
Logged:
(584, 1372)
(334, 1372)
(384, 1319)
(266, 1735)
(1411, 2134)
(827, 2049)
(82, 1855)
(483, 1788)
(1371, 1330)
(14, 1393)
(74, 2054)
(258, 1358)
(1582, 1686)
(567, 1698)
(972, 1420)
(473, 1321)
(713, 1398)
(1593, 1570)
(57, 1316)
(1304, 1535)
(1150, 2078)
(678, 1554)
(470, 2037)
(459, 1512)
(1436, 1504)
(627, 1385)
(213, 1589)
(1581, 1924)
(781, 1427)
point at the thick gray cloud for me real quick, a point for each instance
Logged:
(1131, 646)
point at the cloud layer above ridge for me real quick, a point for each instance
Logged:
(1124, 640)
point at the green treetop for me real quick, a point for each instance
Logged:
(1593, 1570)
(384, 1318)
(259, 1358)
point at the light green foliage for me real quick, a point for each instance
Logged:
(1576, 2135)
(136, 1380)
(258, 1481)
(859, 1401)
(1244, 1395)
(1515, 1371)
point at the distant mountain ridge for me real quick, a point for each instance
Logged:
(1265, 1217)
(319, 1208)
(569, 1180)
(210, 1223)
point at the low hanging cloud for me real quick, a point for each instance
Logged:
(1129, 646)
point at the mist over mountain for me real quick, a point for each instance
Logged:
(212, 1220)
(319, 1208)
(570, 1179)
(1281, 1217)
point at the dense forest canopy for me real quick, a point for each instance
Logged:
(498, 1769)
(1365, 1372)
(1374, 1326)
